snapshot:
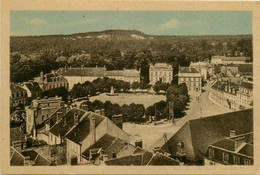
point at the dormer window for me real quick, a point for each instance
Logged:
(211, 153)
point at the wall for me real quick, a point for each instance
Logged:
(78, 79)
(54, 139)
(44, 137)
(29, 119)
(73, 149)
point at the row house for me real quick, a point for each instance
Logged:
(233, 95)
(18, 95)
(51, 81)
(233, 150)
(160, 72)
(191, 77)
(40, 110)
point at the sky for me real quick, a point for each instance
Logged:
(150, 22)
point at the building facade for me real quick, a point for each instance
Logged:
(41, 110)
(229, 60)
(127, 75)
(202, 67)
(18, 95)
(233, 95)
(51, 81)
(191, 77)
(76, 75)
(234, 150)
(160, 72)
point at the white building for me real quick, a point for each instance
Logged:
(160, 72)
(127, 75)
(229, 60)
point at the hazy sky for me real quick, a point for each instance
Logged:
(149, 22)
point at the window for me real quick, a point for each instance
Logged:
(247, 162)
(211, 153)
(236, 160)
(43, 117)
(225, 157)
(51, 137)
(151, 73)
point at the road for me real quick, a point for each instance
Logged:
(196, 109)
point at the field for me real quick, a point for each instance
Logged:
(124, 98)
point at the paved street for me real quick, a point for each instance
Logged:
(150, 134)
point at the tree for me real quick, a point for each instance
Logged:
(157, 86)
(61, 92)
(150, 111)
(135, 112)
(135, 85)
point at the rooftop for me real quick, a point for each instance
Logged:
(33, 86)
(246, 85)
(224, 58)
(16, 88)
(160, 66)
(82, 130)
(62, 127)
(16, 134)
(83, 71)
(188, 70)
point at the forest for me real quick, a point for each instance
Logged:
(117, 49)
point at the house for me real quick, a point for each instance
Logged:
(139, 157)
(76, 75)
(18, 95)
(33, 89)
(51, 81)
(57, 131)
(190, 143)
(40, 110)
(229, 60)
(234, 150)
(17, 137)
(89, 130)
(225, 93)
(127, 75)
(160, 72)
(202, 67)
(27, 158)
(245, 95)
(191, 77)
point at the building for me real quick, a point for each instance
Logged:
(89, 130)
(225, 93)
(66, 122)
(76, 75)
(18, 95)
(229, 60)
(160, 72)
(27, 158)
(51, 81)
(202, 67)
(245, 95)
(137, 156)
(127, 75)
(233, 150)
(41, 110)
(17, 137)
(33, 89)
(191, 77)
(190, 143)
(233, 95)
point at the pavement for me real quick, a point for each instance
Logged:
(197, 108)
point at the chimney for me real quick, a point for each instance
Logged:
(139, 143)
(53, 71)
(76, 118)
(118, 120)
(41, 76)
(84, 107)
(102, 112)
(232, 133)
(97, 111)
(92, 128)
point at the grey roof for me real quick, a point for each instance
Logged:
(84, 71)
(188, 70)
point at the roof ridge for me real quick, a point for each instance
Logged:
(243, 144)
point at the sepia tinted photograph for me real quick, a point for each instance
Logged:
(131, 88)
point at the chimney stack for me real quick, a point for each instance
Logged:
(98, 111)
(41, 75)
(232, 133)
(53, 71)
(92, 128)
(84, 107)
(118, 120)
(102, 112)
